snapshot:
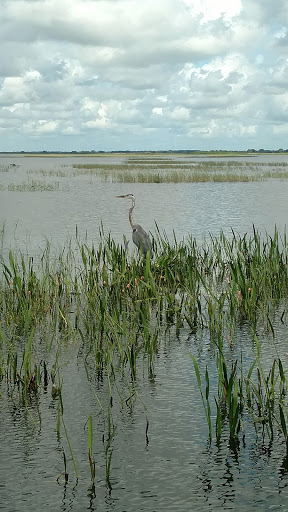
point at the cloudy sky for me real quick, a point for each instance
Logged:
(131, 75)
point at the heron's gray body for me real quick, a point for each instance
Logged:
(141, 239)
(139, 236)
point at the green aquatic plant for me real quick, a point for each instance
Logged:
(108, 447)
(90, 452)
(204, 396)
(115, 310)
(61, 421)
(260, 395)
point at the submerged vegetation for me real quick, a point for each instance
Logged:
(115, 310)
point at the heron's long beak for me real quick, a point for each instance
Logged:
(123, 197)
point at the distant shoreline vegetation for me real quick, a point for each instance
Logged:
(212, 152)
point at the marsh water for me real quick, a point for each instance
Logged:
(195, 209)
(170, 466)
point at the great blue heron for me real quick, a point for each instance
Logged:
(139, 236)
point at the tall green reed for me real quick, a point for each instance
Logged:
(116, 307)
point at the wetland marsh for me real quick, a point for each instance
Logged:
(133, 383)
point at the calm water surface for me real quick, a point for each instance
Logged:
(176, 470)
(196, 209)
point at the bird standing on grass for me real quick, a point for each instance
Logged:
(139, 236)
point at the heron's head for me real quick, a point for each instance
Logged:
(128, 196)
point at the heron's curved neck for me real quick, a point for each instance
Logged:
(131, 213)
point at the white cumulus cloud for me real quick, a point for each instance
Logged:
(209, 75)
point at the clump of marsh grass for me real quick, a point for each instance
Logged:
(116, 308)
(33, 186)
(5, 168)
(182, 177)
(50, 172)
(233, 278)
(148, 170)
(257, 397)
